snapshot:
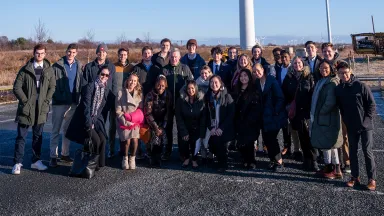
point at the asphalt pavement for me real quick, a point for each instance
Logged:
(172, 190)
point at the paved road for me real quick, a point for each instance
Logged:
(173, 191)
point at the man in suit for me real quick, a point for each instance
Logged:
(219, 67)
(313, 60)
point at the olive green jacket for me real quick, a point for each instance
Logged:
(24, 88)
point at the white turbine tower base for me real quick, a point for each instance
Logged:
(247, 24)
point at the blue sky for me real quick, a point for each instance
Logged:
(69, 20)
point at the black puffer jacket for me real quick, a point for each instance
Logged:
(357, 105)
(157, 109)
(226, 114)
(147, 79)
(190, 118)
(305, 86)
(248, 116)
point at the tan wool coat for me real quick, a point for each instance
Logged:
(125, 103)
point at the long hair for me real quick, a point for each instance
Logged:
(138, 87)
(306, 69)
(250, 86)
(248, 66)
(191, 82)
(220, 80)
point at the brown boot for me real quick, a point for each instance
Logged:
(371, 185)
(353, 182)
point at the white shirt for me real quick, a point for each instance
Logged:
(312, 63)
(35, 64)
(284, 71)
(214, 67)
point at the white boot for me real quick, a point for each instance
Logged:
(132, 162)
(124, 163)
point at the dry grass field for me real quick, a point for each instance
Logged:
(12, 61)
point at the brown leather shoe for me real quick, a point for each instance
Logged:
(353, 182)
(371, 185)
(285, 150)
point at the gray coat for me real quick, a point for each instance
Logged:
(125, 103)
(325, 131)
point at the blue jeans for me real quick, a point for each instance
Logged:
(37, 141)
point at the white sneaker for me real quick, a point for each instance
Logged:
(124, 163)
(39, 166)
(16, 169)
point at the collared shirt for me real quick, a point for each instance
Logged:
(192, 56)
(215, 66)
(35, 64)
(71, 70)
(147, 66)
(284, 71)
(312, 63)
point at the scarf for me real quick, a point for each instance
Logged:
(98, 97)
(203, 84)
(315, 98)
(214, 109)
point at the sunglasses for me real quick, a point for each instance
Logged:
(104, 74)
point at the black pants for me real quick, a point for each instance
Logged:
(287, 138)
(272, 143)
(169, 131)
(187, 148)
(309, 152)
(37, 141)
(98, 143)
(366, 144)
(247, 150)
(220, 149)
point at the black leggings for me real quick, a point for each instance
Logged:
(272, 143)
(187, 148)
(220, 149)
(247, 150)
(98, 142)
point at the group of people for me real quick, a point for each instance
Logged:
(319, 105)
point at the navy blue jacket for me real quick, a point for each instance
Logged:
(274, 113)
(90, 75)
(81, 121)
(224, 73)
(194, 65)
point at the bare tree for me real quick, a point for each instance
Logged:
(41, 32)
(121, 39)
(147, 37)
(88, 41)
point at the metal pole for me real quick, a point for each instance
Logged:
(328, 22)
(373, 25)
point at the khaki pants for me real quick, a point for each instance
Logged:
(61, 117)
(345, 147)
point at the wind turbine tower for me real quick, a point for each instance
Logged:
(247, 24)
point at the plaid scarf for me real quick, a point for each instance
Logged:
(98, 97)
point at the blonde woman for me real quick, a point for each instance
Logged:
(129, 116)
(243, 62)
(203, 80)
